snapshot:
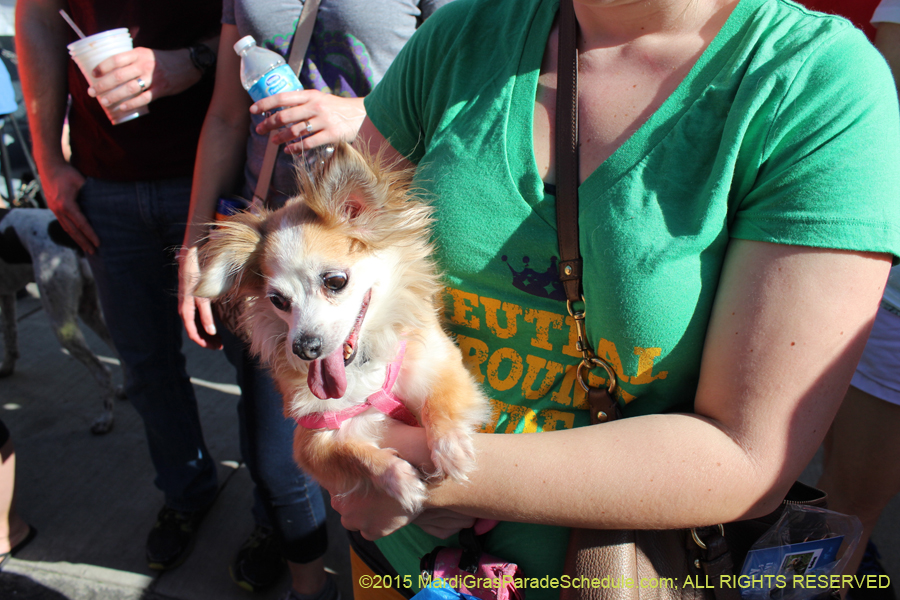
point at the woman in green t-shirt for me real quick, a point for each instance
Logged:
(738, 215)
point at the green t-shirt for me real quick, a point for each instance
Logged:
(786, 130)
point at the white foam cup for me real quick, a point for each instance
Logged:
(93, 50)
(102, 46)
(98, 38)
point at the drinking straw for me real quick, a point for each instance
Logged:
(71, 23)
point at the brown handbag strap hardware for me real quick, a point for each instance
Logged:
(708, 547)
(714, 558)
(603, 405)
(300, 43)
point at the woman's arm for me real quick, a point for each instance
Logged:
(788, 326)
(220, 163)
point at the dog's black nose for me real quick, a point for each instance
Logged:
(307, 347)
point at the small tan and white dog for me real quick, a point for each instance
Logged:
(341, 301)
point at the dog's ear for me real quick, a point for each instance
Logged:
(229, 259)
(354, 205)
(366, 194)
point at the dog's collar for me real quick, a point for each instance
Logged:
(383, 401)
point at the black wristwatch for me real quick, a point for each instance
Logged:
(203, 58)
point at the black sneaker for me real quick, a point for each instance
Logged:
(329, 592)
(258, 563)
(172, 538)
(870, 565)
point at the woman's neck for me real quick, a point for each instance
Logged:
(607, 23)
(633, 55)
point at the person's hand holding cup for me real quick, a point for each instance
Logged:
(90, 51)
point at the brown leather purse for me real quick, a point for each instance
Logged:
(704, 554)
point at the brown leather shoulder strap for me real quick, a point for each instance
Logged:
(299, 44)
(567, 153)
(603, 406)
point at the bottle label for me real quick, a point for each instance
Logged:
(279, 79)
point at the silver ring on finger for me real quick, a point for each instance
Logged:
(142, 85)
(308, 128)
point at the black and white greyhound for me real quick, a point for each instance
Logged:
(33, 247)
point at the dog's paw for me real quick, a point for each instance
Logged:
(453, 455)
(102, 425)
(401, 481)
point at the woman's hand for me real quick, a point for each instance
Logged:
(375, 514)
(309, 119)
(162, 73)
(195, 312)
(442, 522)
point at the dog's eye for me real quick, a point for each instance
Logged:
(335, 281)
(279, 301)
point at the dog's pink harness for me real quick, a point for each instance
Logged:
(384, 400)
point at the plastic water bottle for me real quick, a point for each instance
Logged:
(263, 72)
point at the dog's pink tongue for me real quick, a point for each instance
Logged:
(326, 377)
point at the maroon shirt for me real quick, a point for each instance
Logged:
(859, 12)
(163, 143)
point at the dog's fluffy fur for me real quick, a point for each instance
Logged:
(67, 290)
(356, 224)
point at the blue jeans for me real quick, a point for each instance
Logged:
(286, 499)
(140, 224)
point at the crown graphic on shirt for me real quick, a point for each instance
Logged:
(544, 284)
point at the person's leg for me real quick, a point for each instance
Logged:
(862, 450)
(862, 461)
(139, 226)
(13, 530)
(136, 276)
(286, 500)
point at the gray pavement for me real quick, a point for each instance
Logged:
(93, 500)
